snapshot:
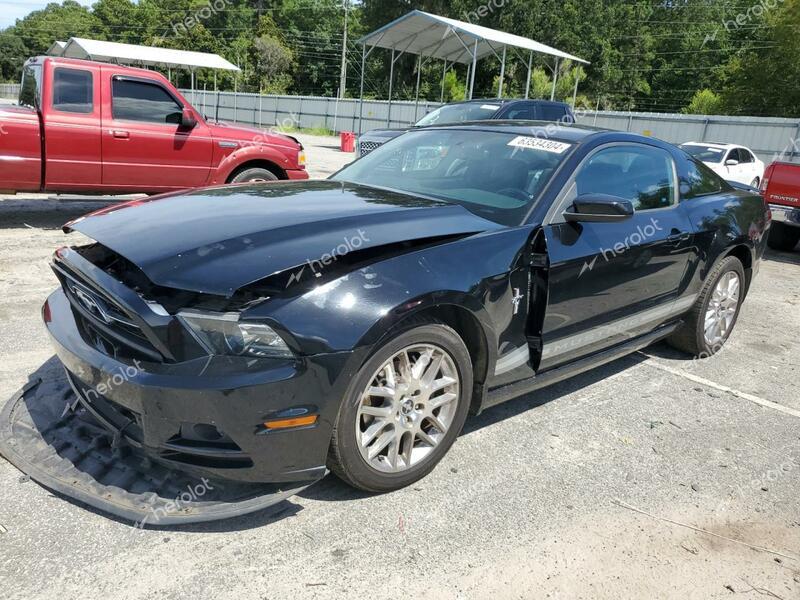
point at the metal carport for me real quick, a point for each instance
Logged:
(452, 41)
(144, 56)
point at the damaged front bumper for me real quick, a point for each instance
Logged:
(206, 415)
(69, 452)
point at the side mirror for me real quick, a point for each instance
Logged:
(731, 162)
(187, 118)
(599, 208)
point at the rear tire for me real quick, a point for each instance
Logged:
(254, 175)
(783, 237)
(403, 410)
(755, 182)
(711, 320)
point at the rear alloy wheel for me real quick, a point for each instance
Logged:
(783, 237)
(709, 323)
(755, 182)
(254, 175)
(405, 409)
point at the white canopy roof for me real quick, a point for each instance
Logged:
(131, 54)
(56, 49)
(426, 34)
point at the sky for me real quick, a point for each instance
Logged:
(11, 10)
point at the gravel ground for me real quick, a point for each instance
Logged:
(654, 476)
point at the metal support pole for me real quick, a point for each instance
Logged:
(444, 74)
(192, 79)
(502, 74)
(466, 82)
(215, 81)
(472, 74)
(416, 96)
(361, 94)
(555, 79)
(343, 73)
(575, 91)
(528, 80)
(391, 77)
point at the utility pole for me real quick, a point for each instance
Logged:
(343, 76)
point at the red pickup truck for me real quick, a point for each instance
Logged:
(91, 127)
(781, 190)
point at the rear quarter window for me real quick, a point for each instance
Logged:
(700, 181)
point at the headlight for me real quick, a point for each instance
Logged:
(224, 333)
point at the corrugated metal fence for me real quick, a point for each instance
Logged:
(768, 137)
(307, 111)
(9, 90)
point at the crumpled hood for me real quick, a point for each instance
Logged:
(217, 240)
(242, 133)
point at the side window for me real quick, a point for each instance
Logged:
(642, 174)
(520, 111)
(699, 181)
(745, 156)
(552, 112)
(73, 90)
(141, 101)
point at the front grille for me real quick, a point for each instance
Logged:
(367, 147)
(105, 324)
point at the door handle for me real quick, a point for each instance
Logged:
(119, 133)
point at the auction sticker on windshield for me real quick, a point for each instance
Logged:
(524, 141)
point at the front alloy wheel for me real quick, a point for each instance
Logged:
(403, 410)
(407, 408)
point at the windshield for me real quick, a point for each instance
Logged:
(704, 153)
(495, 175)
(458, 113)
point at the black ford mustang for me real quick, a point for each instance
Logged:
(272, 332)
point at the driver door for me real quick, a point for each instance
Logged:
(611, 281)
(145, 148)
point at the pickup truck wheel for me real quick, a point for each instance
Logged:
(254, 175)
(403, 410)
(709, 323)
(783, 237)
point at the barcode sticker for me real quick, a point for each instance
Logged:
(524, 141)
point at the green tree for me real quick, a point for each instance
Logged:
(763, 80)
(455, 90)
(704, 102)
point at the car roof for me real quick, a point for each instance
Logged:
(502, 101)
(541, 129)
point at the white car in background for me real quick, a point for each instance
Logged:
(729, 161)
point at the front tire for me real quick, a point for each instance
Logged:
(709, 323)
(254, 175)
(783, 237)
(403, 410)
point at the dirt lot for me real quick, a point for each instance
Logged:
(654, 476)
